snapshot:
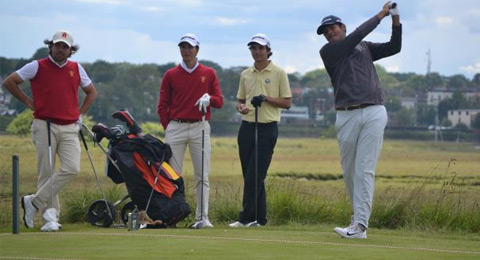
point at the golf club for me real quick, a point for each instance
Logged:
(95, 173)
(50, 158)
(101, 147)
(255, 223)
(199, 224)
(153, 189)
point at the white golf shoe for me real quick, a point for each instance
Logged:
(51, 219)
(50, 227)
(236, 224)
(352, 231)
(29, 211)
(207, 223)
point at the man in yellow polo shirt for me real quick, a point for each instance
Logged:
(266, 87)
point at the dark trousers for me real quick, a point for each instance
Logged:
(267, 138)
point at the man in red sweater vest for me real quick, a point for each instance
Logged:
(188, 91)
(54, 83)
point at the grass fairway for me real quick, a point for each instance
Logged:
(318, 242)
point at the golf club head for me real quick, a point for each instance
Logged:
(197, 225)
(125, 116)
(253, 224)
(100, 131)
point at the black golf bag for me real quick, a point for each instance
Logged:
(142, 162)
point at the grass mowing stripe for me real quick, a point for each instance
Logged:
(450, 251)
(36, 258)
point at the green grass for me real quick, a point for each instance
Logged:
(293, 242)
(420, 187)
(426, 206)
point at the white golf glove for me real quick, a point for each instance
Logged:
(203, 102)
(79, 121)
(394, 11)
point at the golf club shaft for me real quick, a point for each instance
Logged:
(95, 173)
(50, 158)
(103, 149)
(203, 158)
(155, 182)
(256, 163)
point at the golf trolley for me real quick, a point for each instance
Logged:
(141, 162)
(102, 213)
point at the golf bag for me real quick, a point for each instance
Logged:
(142, 162)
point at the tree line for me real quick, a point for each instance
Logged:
(136, 88)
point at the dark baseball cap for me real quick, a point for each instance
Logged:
(328, 20)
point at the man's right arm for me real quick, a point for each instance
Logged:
(12, 83)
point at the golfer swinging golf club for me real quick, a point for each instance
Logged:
(186, 95)
(263, 92)
(361, 116)
(57, 121)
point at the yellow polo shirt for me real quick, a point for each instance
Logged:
(271, 81)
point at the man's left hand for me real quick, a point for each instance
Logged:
(258, 100)
(203, 102)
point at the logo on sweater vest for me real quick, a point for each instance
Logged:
(71, 73)
(203, 79)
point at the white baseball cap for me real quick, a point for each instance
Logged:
(63, 36)
(261, 39)
(191, 39)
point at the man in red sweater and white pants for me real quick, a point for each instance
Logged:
(54, 82)
(188, 91)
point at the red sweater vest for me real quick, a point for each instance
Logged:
(55, 92)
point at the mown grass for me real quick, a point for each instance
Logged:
(80, 241)
(420, 185)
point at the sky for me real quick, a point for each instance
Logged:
(148, 31)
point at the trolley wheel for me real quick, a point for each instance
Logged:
(98, 214)
(127, 208)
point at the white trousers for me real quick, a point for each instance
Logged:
(65, 144)
(360, 138)
(178, 136)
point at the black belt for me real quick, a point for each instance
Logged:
(248, 122)
(349, 108)
(187, 120)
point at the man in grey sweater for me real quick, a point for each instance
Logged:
(361, 115)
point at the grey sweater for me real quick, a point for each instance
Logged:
(350, 64)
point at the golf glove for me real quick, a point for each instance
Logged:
(258, 100)
(394, 9)
(203, 102)
(79, 121)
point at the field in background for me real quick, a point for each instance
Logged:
(420, 185)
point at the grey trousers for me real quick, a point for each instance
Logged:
(178, 136)
(360, 138)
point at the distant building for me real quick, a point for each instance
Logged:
(295, 115)
(462, 116)
(408, 102)
(437, 95)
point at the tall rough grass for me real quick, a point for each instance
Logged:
(416, 207)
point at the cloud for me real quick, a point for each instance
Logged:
(444, 21)
(472, 69)
(151, 8)
(230, 21)
(109, 2)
